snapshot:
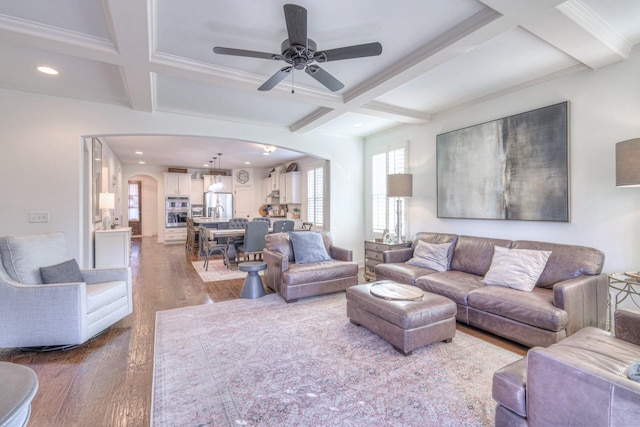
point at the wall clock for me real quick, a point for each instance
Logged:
(242, 176)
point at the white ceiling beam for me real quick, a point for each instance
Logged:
(576, 30)
(129, 24)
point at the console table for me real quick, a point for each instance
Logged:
(112, 247)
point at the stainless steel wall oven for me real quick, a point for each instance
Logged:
(177, 211)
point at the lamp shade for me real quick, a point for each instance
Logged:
(628, 163)
(107, 201)
(400, 185)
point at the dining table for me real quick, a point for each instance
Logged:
(215, 233)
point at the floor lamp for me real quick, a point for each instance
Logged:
(107, 202)
(399, 185)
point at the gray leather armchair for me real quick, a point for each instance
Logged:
(292, 281)
(33, 314)
(581, 380)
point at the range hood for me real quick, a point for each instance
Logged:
(275, 194)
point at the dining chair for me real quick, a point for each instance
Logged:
(237, 223)
(211, 247)
(254, 235)
(263, 218)
(283, 225)
(307, 225)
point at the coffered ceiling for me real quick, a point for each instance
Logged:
(437, 55)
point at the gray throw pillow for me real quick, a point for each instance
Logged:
(308, 247)
(634, 371)
(516, 268)
(431, 255)
(65, 272)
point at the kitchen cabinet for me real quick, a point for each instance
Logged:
(175, 235)
(197, 190)
(112, 247)
(227, 183)
(293, 187)
(373, 255)
(177, 184)
(266, 188)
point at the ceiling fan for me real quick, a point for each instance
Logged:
(300, 52)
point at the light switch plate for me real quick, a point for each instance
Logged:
(38, 216)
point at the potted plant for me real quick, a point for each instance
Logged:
(296, 213)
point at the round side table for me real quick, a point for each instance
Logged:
(18, 386)
(252, 287)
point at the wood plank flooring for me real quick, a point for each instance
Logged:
(108, 380)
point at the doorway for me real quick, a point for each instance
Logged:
(134, 208)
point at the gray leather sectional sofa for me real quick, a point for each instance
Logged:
(570, 294)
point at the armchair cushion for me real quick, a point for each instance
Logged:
(516, 268)
(432, 255)
(634, 371)
(65, 272)
(308, 247)
(22, 256)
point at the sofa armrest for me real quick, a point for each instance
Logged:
(340, 254)
(584, 298)
(628, 325)
(575, 386)
(397, 255)
(47, 313)
(276, 265)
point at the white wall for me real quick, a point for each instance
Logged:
(42, 149)
(604, 109)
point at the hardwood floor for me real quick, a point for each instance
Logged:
(108, 380)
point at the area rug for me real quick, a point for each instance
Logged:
(264, 362)
(218, 271)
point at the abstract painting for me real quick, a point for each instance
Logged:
(514, 168)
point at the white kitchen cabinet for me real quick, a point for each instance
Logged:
(227, 183)
(197, 190)
(177, 184)
(112, 247)
(291, 187)
(266, 188)
(175, 235)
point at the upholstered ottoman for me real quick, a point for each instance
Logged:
(404, 315)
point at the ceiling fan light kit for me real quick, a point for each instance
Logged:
(300, 52)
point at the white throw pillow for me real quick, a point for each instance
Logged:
(431, 255)
(516, 268)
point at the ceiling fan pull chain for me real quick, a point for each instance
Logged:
(292, 77)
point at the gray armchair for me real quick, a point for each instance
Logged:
(33, 314)
(581, 380)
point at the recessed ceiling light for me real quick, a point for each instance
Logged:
(206, 165)
(247, 163)
(139, 152)
(357, 125)
(48, 70)
(142, 163)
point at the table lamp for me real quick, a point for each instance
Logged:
(107, 202)
(399, 185)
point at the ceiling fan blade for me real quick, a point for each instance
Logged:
(248, 53)
(296, 18)
(348, 52)
(275, 79)
(323, 77)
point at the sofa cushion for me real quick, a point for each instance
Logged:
(401, 272)
(454, 285)
(516, 268)
(308, 247)
(532, 308)
(22, 256)
(432, 255)
(319, 272)
(474, 254)
(65, 272)
(565, 262)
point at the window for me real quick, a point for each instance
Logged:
(315, 196)
(387, 160)
(134, 201)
